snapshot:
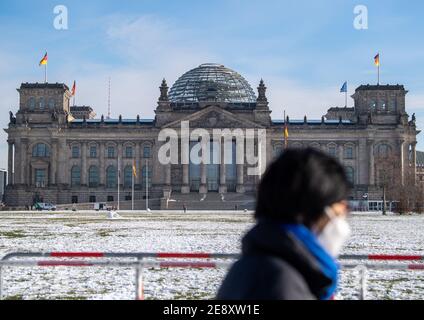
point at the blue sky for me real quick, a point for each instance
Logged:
(304, 50)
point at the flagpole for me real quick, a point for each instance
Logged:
(346, 98)
(119, 173)
(378, 72)
(132, 195)
(147, 184)
(45, 73)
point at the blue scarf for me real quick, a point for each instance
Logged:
(327, 263)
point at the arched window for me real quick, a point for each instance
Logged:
(373, 105)
(297, 145)
(392, 105)
(278, 149)
(111, 177)
(383, 150)
(110, 152)
(93, 152)
(41, 103)
(350, 174)
(93, 176)
(146, 152)
(348, 152)
(40, 150)
(128, 152)
(146, 175)
(332, 151)
(315, 146)
(75, 151)
(75, 176)
(383, 105)
(51, 103)
(31, 103)
(128, 175)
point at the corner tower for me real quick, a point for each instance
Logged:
(380, 104)
(43, 103)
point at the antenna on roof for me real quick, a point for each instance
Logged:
(108, 102)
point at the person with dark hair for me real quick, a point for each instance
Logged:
(290, 254)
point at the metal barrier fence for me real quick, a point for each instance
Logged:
(139, 264)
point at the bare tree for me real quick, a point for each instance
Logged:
(397, 185)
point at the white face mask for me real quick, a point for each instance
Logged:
(334, 234)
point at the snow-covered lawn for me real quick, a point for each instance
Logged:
(179, 232)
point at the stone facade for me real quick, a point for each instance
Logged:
(54, 157)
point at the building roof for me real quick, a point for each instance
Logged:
(111, 121)
(211, 81)
(37, 85)
(81, 108)
(312, 122)
(350, 109)
(420, 159)
(381, 87)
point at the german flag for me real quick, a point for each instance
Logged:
(377, 60)
(44, 60)
(134, 169)
(73, 89)
(286, 134)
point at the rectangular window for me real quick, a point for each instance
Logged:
(92, 199)
(93, 152)
(74, 199)
(332, 151)
(75, 152)
(110, 152)
(109, 198)
(146, 152)
(40, 178)
(128, 197)
(349, 153)
(128, 152)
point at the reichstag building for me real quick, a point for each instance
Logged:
(65, 154)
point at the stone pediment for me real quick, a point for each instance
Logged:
(214, 117)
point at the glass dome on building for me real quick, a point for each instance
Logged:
(211, 82)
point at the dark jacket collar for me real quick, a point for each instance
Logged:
(268, 238)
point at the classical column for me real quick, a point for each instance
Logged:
(120, 164)
(240, 173)
(62, 156)
(167, 175)
(102, 169)
(414, 162)
(340, 152)
(138, 164)
(17, 164)
(53, 163)
(371, 173)
(402, 161)
(185, 188)
(240, 168)
(185, 157)
(84, 163)
(10, 163)
(203, 168)
(222, 169)
(203, 178)
(24, 146)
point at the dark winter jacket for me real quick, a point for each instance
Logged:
(274, 266)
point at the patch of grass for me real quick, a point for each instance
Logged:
(15, 297)
(104, 233)
(13, 234)
(71, 297)
(192, 296)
